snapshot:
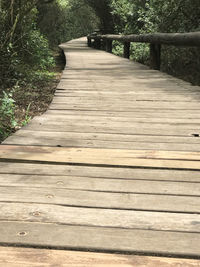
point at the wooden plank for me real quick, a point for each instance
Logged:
(128, 138)
(137, 113)
(127, 87)
(133, 89)
(99, 238)
(46, 121)
(66, 118)
(106, 128)
(142, 93)
(101, 105)
(93, 156)
(86, 198)
(93, 171)
(128, 100)
(46, 213)
(153, 80)
(45, 139)
(32, 257)
(101, 184)
(124, 88)
(95, 76)
(148, 81)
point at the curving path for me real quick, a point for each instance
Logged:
(112, 166)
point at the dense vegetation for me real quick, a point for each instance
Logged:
(147, 16)
(32, 29)
(30, 32)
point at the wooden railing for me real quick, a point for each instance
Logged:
(155, 40)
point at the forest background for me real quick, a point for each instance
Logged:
(31, 30)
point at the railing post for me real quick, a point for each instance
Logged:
(89, 41)
(103, 44)
(155, 53)
(109, 46)
(97, 43)
(127, 49)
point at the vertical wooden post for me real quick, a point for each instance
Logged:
(89, 41)
(97, 43)
(109, 46)
(127, 49)
(103, 44)
(155, 53)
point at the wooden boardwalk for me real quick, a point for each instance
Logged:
(112, 166)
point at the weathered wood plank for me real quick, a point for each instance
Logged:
(92, 171)
(116, 130)
(66, 118)
(175, 95)
(31, 257)
(118, 157)
(99, 238)
(128, 138)
(118, 121)
(85, 198)
(39, 138)
(137, 102)
(136, 114)
(91, 126)
(102, 184)
(129, 129)
(126, 98)
(46, 213)
(101, 105)
(146, 83)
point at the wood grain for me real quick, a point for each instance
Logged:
(101, 140)
(146, 220)
(99, 172)
(85, 198)
(102, 185)
(142, 158)
(29, 257)
(112, 166)
(99, 238)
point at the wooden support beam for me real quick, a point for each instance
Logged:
(155, 52)
(109, 46)
(97, 43)
(89, 40)
(127, 50)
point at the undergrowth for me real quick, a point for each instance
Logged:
(30, 96)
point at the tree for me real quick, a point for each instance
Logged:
(103, 10)
(62, 21)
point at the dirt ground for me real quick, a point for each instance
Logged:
(38, 98)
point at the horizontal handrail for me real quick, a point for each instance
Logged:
(155, 40)
(184, 39)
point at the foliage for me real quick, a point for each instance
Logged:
(117, 48)
(65, 20)
(27, 117)
(103, 11)
(148, 16)
(7, 115)
(24, 52)
(22, 47)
